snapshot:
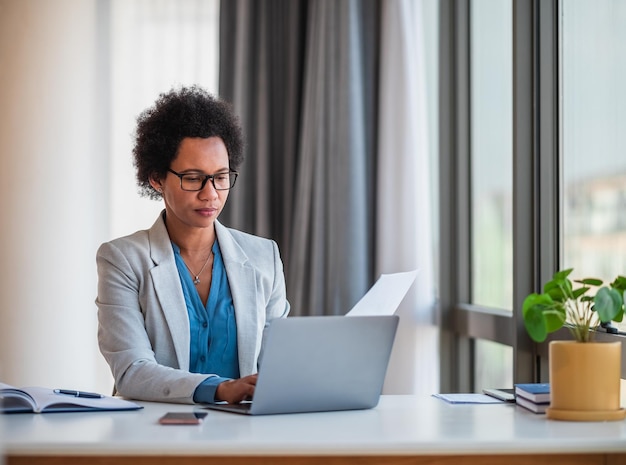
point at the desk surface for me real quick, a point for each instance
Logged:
(398, 426)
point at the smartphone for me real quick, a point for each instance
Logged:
(182, 418)
(506, 394)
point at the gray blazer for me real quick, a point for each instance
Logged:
(143, 327)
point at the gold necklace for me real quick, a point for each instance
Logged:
(196, 277)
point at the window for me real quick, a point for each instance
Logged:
(491, 147)
(532, 178)
(491, 123)
(592, 102)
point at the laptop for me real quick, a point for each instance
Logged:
(321, 363)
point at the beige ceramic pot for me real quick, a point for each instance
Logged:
(585, 381)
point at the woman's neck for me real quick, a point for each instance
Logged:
(191, 240)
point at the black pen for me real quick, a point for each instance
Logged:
(86, 395)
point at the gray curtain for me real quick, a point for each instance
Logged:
(302, 75)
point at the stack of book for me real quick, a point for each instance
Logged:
(533, 396)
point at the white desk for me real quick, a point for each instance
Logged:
(401, 430)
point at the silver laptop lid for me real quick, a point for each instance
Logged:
(324, 363)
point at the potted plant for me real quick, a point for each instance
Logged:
(584, 375)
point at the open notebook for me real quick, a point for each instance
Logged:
(45, 400)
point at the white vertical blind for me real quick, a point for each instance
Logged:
(404, 195)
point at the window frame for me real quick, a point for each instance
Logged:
(536, 187)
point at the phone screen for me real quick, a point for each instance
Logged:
(182, 418)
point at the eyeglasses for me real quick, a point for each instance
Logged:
(196, 182)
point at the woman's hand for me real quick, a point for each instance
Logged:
(236, 390)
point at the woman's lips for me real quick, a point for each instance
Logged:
(206, 211)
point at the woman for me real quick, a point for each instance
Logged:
(182, 306)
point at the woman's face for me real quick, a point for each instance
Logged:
(196, 209)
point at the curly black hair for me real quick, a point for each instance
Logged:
(180, 113)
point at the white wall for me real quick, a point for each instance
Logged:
(53, 192)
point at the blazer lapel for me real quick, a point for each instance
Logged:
(168, 290)
(242, 281)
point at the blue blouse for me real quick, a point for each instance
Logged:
(213, 327)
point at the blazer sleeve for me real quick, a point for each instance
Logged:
(131, 325)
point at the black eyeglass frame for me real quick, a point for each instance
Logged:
(234, 174)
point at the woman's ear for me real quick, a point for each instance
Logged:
(156, 184)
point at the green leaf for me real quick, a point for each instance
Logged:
(554, 317)
(563, 274)
(535, 324)
(536, 300)
(555, 293)
(590, 281)
(580, 291)
(608, 303)
(619, 283)
(620, 315)
(541, 315)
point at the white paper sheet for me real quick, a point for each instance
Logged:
(385, 295)
(469, 399)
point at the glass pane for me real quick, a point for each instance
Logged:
(488, 371)
(593, 118)
(491, 153)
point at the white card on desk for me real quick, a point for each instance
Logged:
(468, 398)
(385, 295)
